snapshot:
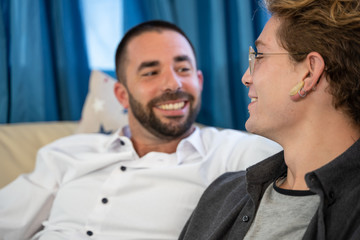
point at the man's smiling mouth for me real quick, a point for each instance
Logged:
(172, 106)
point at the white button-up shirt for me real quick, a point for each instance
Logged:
(94, 186)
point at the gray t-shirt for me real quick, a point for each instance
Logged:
(283, 214)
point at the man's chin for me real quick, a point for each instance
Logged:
(173, 121)
(250, 127)
(172, 130)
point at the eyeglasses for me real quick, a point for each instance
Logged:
(253, 55)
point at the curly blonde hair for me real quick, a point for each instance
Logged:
(331, 28)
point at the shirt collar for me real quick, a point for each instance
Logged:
(326, 180)
(267, 170)
(116, 139)
(186, 147)
(332, 181)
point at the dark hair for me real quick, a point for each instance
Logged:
(149, 26)
(331, 28)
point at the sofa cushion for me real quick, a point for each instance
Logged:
(19, 144)
(102, 112)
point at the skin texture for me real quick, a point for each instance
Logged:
(162, 92)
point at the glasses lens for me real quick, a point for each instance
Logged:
(251, 59)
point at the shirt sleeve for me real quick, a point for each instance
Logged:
(26, 202)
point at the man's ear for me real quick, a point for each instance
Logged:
(200, 78)
(315, 65)
(121, 94)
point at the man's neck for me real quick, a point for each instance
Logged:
(145, 142)
(310, 149)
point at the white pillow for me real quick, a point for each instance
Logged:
(102, 112)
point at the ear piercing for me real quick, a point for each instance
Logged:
(302, 95)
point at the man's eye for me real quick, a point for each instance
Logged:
(147, 74)
(183, 69)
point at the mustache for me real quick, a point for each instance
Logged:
(171, 96)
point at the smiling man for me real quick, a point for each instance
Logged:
(143, 181)
(304, 87)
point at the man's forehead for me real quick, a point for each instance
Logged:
(268, 36)
(155, 46)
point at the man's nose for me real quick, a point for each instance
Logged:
(172, 81)
(246, 78)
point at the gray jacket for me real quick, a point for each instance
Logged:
(228, 206)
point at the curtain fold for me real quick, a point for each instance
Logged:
(44, 67)
(4, 85)
(221, 32)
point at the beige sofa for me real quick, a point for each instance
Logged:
(19, 144)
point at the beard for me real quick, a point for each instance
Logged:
(147, 118)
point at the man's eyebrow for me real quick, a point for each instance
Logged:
(148, 64)
(259, 43)
(182, 58)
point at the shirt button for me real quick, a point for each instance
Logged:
(104, 200)
(123, 168)
(89, 233)
(245, 218)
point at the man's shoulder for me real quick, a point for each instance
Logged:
(230, 186)
(220, 133)
(236, 137)
(78, 141)
(231, 179)
(82, 138)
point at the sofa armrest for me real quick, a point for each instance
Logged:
(19, 144)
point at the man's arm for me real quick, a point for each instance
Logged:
(26, 202)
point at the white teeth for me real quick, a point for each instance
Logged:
(253, 99)
(172, 106)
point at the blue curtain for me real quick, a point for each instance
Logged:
(43, 63)
(44, 69)
(221, 32)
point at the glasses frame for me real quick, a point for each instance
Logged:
(253, 55)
